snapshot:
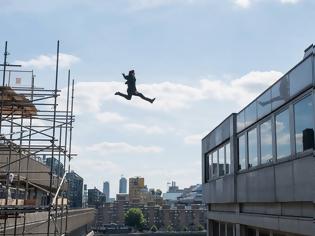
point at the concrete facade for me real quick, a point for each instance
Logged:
(258, 180)
(78, 222)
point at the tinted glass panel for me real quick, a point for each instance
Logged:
(250, 114)
(304, 124)
(250, 232)
(215, 228)
(227, 158)
(280, 92)
(301, 77)
(283, 134)
(263, 233)
(215, 164)
(264, 104)
(222, 229)
(266, 142)
(241, 152)
(252, 148)
(207, 167)
(210, 165)
(240, 121)
(221, 161)
(229, 230)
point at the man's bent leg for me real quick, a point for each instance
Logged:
(127, 96)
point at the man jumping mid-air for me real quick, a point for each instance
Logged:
(132, 90)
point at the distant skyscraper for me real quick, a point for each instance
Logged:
(75, 183)
(106, 190)
(123, 185)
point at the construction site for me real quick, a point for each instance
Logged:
(36, 131)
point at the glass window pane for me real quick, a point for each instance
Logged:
(250, 232)
(230, 229)
(263, 233)
(210, 165)
(264, 104)
(280, 92)
(252, 148)
(221, 161)
(266, 142)
(215, 228)
(240, 121)
(241, 152)
(283, 134)
(222, 229)
(250, 114)
(301, 77)
(227, 158)
(215, 164)
(304, 126)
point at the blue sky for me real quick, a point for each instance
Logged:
(201, 59)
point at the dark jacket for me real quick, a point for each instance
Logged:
(131, 83)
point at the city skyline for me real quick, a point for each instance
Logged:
(201, 59)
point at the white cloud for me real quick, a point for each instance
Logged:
(248, 3)
(147, 129)
(121, 147)
(109, 117)
(44, 61)
(195, 138)
(149, 4)
(243, 3)
(290, 1)
(173, 96)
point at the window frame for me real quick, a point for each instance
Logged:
(282, 109)
(297, 100)
(255, 127)
(266, 119)
(244, 133)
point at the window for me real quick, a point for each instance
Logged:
(240, 121)
(283, 134)
(221, 161)
(215, 228)
(207, 167)
(252, 148)
(304, 126)
(266, 142)
(241, 152)
(227, 159)
(210, 165)
(264, 104)
(215, 164)
(280, 92)
(301, 77)
(230, 230)
(250, 114)
(222, 229)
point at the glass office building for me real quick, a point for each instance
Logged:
(258, 165)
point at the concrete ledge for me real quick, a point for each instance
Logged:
(296, 225)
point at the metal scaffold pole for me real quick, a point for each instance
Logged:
(35, 153)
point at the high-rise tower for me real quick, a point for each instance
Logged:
(123, 185)
(106, 190)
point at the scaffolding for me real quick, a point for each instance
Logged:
(35, 152)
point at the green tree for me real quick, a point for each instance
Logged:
(169, 228)
(153, 228)
(200, 228)
(134, 218)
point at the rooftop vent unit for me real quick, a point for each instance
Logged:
(308, 51)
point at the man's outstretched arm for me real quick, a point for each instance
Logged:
(125, 76)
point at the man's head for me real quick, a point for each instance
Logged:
(131, 72)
